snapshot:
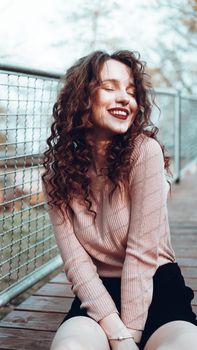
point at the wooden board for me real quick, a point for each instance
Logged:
(55, 290)
(192, 283)
(43, 321)
(46, 304)
(188, 262)
(189, 272)
(186, 253)
(60, 278)
(194, 308)
(23, 339)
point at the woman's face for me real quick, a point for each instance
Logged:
(114, 105)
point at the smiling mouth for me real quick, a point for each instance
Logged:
(119, 113)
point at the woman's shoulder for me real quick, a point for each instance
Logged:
(147, 154)
(145, 145)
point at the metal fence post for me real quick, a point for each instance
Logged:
(177, 137)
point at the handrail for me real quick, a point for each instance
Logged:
(29, 71)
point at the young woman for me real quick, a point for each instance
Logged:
(106, 188)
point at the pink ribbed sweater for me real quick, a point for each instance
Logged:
(130, 238)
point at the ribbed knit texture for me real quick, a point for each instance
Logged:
(130, 238)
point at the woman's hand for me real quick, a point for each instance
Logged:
(126, 344)
(114, 328)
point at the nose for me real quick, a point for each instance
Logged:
(122, 98)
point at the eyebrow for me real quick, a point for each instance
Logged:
(116, 81)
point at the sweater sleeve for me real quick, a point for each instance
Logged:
(149, 189)
(80, 269)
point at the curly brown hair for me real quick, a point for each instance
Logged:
(69, 154)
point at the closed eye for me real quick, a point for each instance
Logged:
(131, 93)
(109, 89)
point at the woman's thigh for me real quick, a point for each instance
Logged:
(176, 335)
(80, 333)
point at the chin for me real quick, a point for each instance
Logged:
(121, 131)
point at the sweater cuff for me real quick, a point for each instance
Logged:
(112, 325)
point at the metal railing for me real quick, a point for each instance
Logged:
(178, 128)
(28, 248)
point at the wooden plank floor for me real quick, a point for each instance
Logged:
(32, 324)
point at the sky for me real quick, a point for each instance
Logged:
(31, 30)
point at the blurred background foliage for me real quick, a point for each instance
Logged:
(52, 34)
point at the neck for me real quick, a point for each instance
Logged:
(99, 151)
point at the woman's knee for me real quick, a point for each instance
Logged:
(80, 333)
(78, 343)
(186, 336)
(176, 335)
(67, 344)
(187, 340)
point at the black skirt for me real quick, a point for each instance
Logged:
(171, 300)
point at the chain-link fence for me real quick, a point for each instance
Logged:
(188, 134)
(178, 128)
(28, 249)
(27, 240)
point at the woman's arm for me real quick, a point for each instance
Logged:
(80, 269)
(148, 213)
(114, 327)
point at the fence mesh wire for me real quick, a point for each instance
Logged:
(178, 122)
(188, 141)
(165, 120)
(25, 115)
(26, 100)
